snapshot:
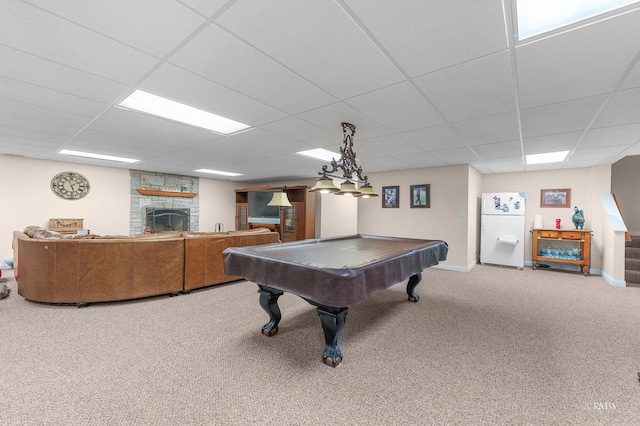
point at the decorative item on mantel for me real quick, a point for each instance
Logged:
(347, 163)
(578, 218)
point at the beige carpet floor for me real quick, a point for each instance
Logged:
(495, 346)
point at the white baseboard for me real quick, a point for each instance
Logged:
(608, 278)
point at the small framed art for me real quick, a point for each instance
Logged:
(555, 197)
(420, 196)
(390, 197)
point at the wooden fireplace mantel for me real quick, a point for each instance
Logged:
(159, 193)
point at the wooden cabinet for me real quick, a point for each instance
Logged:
(242, 216)
(296, 222)
(562, 246)
(242, 211)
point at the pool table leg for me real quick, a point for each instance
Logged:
(411, 287)
(269, 302)
(332, 320)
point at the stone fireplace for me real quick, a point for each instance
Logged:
(171, 201)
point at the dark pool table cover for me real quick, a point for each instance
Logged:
(340, 271)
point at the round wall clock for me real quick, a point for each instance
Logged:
(70, 185)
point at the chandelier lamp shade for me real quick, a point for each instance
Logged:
(351, 172)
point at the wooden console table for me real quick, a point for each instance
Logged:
(564, 246)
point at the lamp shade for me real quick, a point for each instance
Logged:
(366, 191)
(348, 189)
(324, 185)
(279, 199)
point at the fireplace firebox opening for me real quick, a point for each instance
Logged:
(168, 220)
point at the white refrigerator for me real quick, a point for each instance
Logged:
(502, 229)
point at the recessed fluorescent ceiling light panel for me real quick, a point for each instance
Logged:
(539, 16)
(320, 154)
(97, 156)
(547, 157)
(165, 108)
(217, 172)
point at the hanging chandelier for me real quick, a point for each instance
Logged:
(351, 172)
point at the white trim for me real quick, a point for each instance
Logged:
(451, 268)
(610, 280)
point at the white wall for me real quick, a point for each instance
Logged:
(27, 198)
(217, 204)
(473, 216)
(338, 215)
(446, 219)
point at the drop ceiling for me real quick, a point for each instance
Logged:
(425, 83)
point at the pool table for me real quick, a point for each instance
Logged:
(332, 274)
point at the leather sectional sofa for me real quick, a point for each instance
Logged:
(55, 268)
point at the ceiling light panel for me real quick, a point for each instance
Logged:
(97, 156)
(547, 157)
(320, 154)
(217, 172)
(539, 16)
(166, 108)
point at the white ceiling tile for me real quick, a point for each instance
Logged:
(481, 167)
(473, 89)
(622, 108)
(256, 143)
(317, 40)
(502, 165)
(420, 159)
(575, 64)
(382, 164)
(49, 99)
(306, 132)
(61, 41)
(389, 145)
(551, 143)
(206, 7)
(632, 80)
(217, 56)
(424, 37)
(611, 136)
(562, 117)
(435, 138)
(23, 148)
(41, 72)
(598, 154)
(633, 149)
(29, 116)
(152, 26)
(331, 116)
(455, 156)
(382, 106)
(33, 137)
(495, 128)
(23, 125)
(498, 150)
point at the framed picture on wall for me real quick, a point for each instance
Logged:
(420, 196)
(555, 197)
(390, 197)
